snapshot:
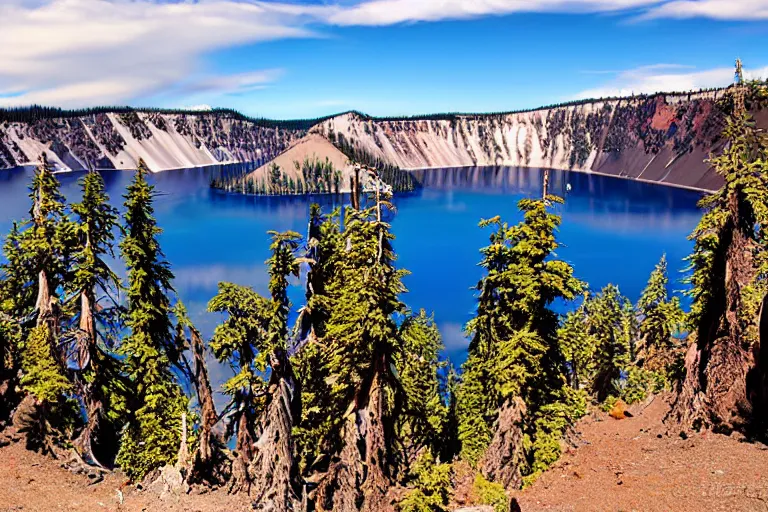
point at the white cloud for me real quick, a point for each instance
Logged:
(86, 52)
(665, 78)
(387, 12)
(89, 52)
(715, 9)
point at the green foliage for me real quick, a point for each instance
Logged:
(156, 403)
(241, 340)
(738, 211)
(94, 230)
(43, 375)
(354, 311)
(578, 346)
(662, 317)
(610, 322)
(429, 486)
(514, 349)
(551, 422)
(418, 366)
(490, 493)
(640, 383)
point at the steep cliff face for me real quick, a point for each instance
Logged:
(164, 141)
(664, 138)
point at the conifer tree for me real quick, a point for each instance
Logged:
(241, 341)
(157, 402)
(662, 317)
(578, 346)
(42, 251)
(726, 386)
(355, 429)
(16, 302)
(514, 367)
(93, 285)
(264, 392)
(423, 423)
(612, 332)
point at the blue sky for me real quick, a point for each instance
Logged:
(384, 57)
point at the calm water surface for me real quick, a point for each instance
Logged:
(613, 231)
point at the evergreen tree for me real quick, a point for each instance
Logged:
(157, 402)
(418, 365)
(93, 285)
(726, 385)
(578, 346)
(662, 318)
(254, 340)
(352, 419)
(612, 332)
(514, 362)
(241, 340)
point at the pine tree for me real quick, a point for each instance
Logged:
(359, 342)
(418, 366)
(153, 434)
(264, 391)
(612, 332)
(726, 385)
(241, 341)
(16, 302)
(514, 367)
(662, 317)
(94, 285)
(578, 346)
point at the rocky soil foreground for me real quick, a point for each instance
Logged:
(620, 465)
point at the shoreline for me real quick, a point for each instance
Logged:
(408, 169)
(580, 171)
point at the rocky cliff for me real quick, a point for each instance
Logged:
(661, 138)
(109, 140)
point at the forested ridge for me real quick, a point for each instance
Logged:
(352, 406)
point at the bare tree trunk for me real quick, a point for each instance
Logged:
(722, 369)
(240, 480)
(505, 455)
(359, 477)
(274, 472)
(43, 304)
(203, 458)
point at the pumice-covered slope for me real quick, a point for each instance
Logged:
(661, 138)
(111, 140)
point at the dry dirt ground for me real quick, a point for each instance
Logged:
(633, 464)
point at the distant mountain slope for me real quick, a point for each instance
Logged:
(660, 138)
(165, 141)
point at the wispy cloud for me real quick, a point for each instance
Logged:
(387, 12)
(78, 52)
(665, 78)
(715, 9)
(87, 52)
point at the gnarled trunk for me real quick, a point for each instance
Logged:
(203, 458)
(273, 470)
(358, 478)
(717, 392)
(505, 455)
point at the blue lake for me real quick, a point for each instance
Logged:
(613, 231)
